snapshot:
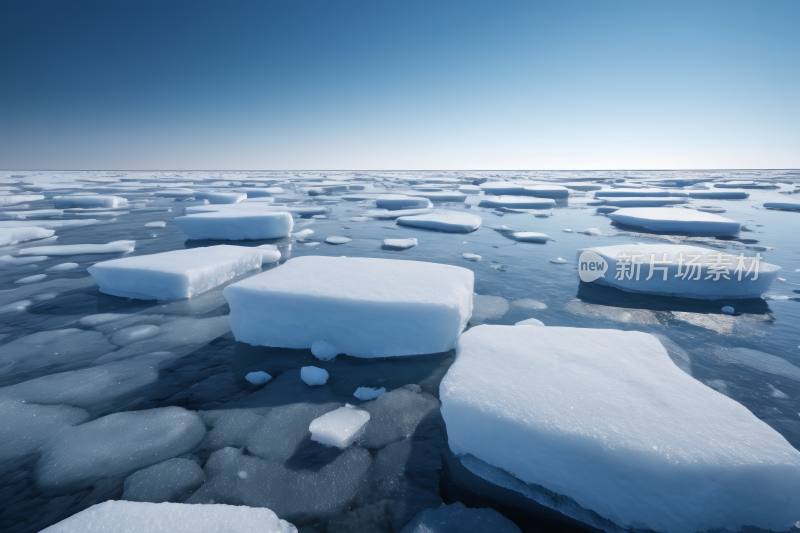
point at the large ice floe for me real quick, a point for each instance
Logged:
(137, 517)
(176, 274)
(606, 418)
(16, 235)
(95, 200)
(236, 226)
(401, 201)
(680, 220)
(348, 302)
(115, 247)
(519, 202)
(677, 270)
(443, 220)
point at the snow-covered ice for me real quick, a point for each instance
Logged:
(443, 220)
(269, 253)
(530, 322)
(62, 267)
(175, 274)
(117, 444)
(519, 202)
(156, 224)
(96, 200)
(312, 375)
(634, 192)
(719, 195)
(141, 517)
(681, 220)
(339, 427)
(558, 261)
(606, 418)
(399, 244)
(687, 271)
(530, 236)
(368, 393)
(401, 201)
(785, 206)
(236, 226)
(17, 235)
(655, 201)
(471, 257)
(258, 378)
(221, 197)
(13, 199)
(116, 247)
(347, 302)
(337, 239)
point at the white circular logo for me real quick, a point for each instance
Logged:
(591, 266)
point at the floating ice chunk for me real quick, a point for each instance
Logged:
(443, 220)
(469, 189)
(175, 274)
(116, 445)
(31, 279)
(133, 334)
(66, 202)
(636, 192)
(368, 393)
(728, 310)
(577, 435)
(323, 350)
(530, 322)
(33, 425)
(401, 201)
(258, 378)
(737, 184)
(254, 207)
(220, 197)
(546, 191)
(719, 195)
(440, 196)
(264, 192)
(657, 201)
(48, 224)
(785, 206)
(384, 214)
(62, 267)
(585, 187)
(471, 257)
(32, 213)
(592, 231)
(141, 517)
(488, 307)
(156, 224)
(13, 199)
(558, 261)
(399, 244)
(163, 482)
(269, 253)
(116, 247)
(340, 427)
(681, 220)
(687, 271)
(174, 193)
(336, 239)
(519, 202)
(567, 230)
(313, 375)
(528, 303)
(530, 236)
(457, 518)
(348, 302)
(302, 234)
(17, 235)
(236, 226)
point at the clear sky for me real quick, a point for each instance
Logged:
(399, 84)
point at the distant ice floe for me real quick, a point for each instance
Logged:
(10, 236)
(116, 247)
(443, 220)
(681, 220)
(236, 226)
(65, 202)
(399, 244)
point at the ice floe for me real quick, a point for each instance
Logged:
(519, 202)
(65, 202)
(609, 420)
(680, 220)
(443, 220)
(339, 427)
(312, 375)
(116, 247)
(368, 393)
(347, 302)
(399, 244)
(258, 378)
(17, 235)
(400, 201)
(236, 226)
(175, 274)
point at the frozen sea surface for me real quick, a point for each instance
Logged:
(109, 398)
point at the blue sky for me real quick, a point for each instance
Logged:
(406, 84)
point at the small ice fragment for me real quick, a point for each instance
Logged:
(368, 393)
(728, 310)
(318, 216)
(269, 253)
(568, 230)
(530, 236)
(311, 243)
(313, 375)
(592, 231)
(471, 257)
(258, 378)
(62, 266)
(399, 244)
(558, 261)
(528, 303)
(323, 350)
(337, 239)
(156, 224)
(339, 427)
(32, 279)
(302, 234)
(530, 322)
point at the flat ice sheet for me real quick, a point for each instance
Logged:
(670, 219)
(606, 418)
(116, 247)
(363, 307)
(18, 235)
(175, 274)
(236, 226)
(520, 202)
(94, 200)
(443, 220)
(138, 517)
